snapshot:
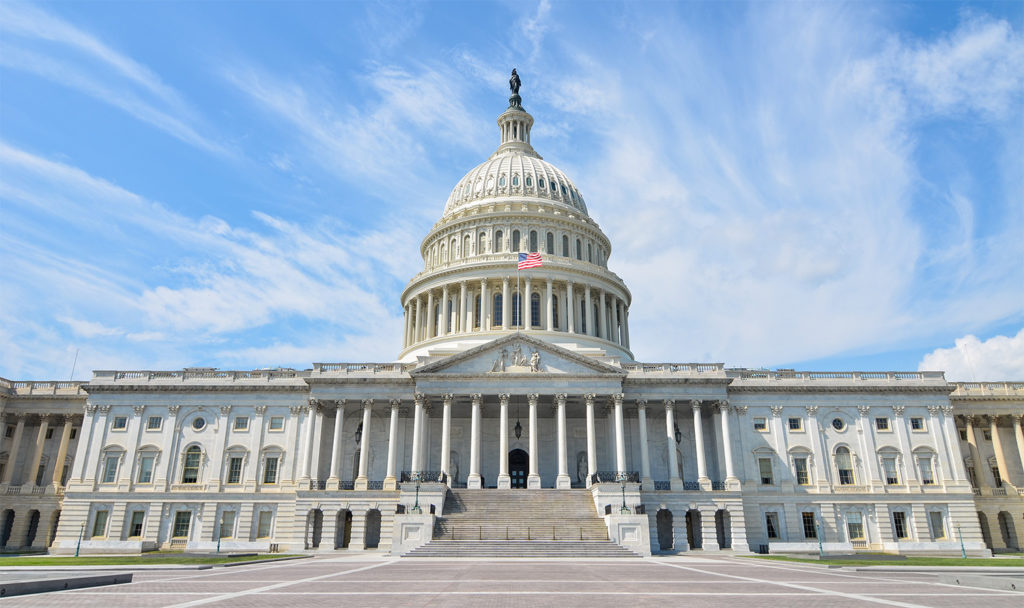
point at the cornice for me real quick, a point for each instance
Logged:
(939, 390)
(196, 388)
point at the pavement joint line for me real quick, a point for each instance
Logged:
(852, 596)
(514, 592)
(228, 596)
(238, 570)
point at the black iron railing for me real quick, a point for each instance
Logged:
(424, 476)
(662, 485)
(616, 477)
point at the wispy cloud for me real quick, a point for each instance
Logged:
(974, 360)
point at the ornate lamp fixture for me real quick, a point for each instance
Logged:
(679, 434)
(359, 433)
(519, 427)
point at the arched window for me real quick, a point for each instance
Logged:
(454, 249)
(515, 240)
(480, 242)
(583, 317)
(550, 249)
(565, 245)
(579, 249)
(535, 309)
(529, 181)
(515, 180)
(554, 313)
(497, 241)
(533, 241)
(465, 246)
(844, 466)
(497, 314)
(444, 258)
(448, 327)
(190, 468)
(476, 311)
(516, 310)
(590, 253)
(437, 318)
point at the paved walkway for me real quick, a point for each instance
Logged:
(380, 582)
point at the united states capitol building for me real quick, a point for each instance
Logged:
(516, 415)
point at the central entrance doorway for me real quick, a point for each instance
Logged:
(518, 467)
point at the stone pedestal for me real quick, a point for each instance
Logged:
(474, 482)
(533, 482)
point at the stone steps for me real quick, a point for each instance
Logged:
(513, 548)
(520, 515)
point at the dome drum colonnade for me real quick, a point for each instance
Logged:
(515, 202)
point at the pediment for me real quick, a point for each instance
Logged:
(517, 355)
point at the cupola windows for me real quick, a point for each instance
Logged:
(515, 180)
(529, 182)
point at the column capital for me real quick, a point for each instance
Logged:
(419, 398)
(339, 405)
(259, 409)
(503, 398)
(560, 399)
(898, 410)
(776, 410)
(105, 409)
(533, 399)
(934, 410)
(314, 405)
(504, 281)
(550, 282)
(139, 409)
(367, 404)
(722, 406)
(1016, 418)
(695, 404)
(864, 410)
(395, 403)
(477, 398)
(972, 420)
(741, 410)
(947, 409)
(670, 404)
(446, 399)
(617, 398)
(224, 410)
(589, 398)
(812, 410)
(641, 404)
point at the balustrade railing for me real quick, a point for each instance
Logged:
(691, 486)
(423, 476)
(616, 477)
(662, 485)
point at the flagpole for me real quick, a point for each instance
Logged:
(520, 292)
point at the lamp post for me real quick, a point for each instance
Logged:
(81, 532)
(416, 507)
(963, 552)
(623, 509)
(821, 548)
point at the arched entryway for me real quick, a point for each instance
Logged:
(33, 527)
(665, 538)
(372, 529)
(722, 529)
(1007, 530)
(53, 528)
(6, 525)
(518, 467)
(693, 533)
(314, 528)
(986, 533)
(343, 531)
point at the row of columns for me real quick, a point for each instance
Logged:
(37, 454)
(458, 310)
(975, 428)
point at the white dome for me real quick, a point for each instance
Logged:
(518, 172)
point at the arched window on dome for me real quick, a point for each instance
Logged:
(529, 182)
(444, 257)
(466, 243)
(515, 180)
(476, 311)
(541, 183)
(517, 310)
(535, 309)
(481, 241)
(437, 319)
(497, 310)
(579, 249)
(554, 313)
(565, 245)
(554, 189)
(497, 241)
(501, 182)
(550, 249)
(590, 253)
(533, 241)
(583, 316)
(515, 240)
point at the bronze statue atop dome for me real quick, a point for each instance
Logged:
(514, 100)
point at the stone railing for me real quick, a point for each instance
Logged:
(674, 368)
(136, 376)
(787, 374)
(20, 387)
(362, 368)
(841, 489)
(989, 389)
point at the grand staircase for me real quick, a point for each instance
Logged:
(520, 523)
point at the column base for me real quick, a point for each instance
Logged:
(390, 483)
(675, 484)
(504, 482)
(733, 484)
(333, 483)
(361, 483)
(474, 482)
(646, 484)
(705, 484)
(562, 482)
(533, 482)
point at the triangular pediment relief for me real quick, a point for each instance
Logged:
(518, 354)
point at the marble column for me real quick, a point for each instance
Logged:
(980, 474)
(591, 440)
(625, 325)
(730, 472)
(997, 447)
(570, 309)
(336, 446)
(390, 478)
(620, 436)
(698, 441)
(527, 302)
(474, 481)
(463, 309)
(408, 320)
(362, 481)
(37, 457)
(417, 428)
(588, 315)
(1018, 435)
(12, 459)
(504, 481)
(602, 317)
(419, 321)
(485, 306)
(550, 306)
(505, 304)
(425, 435)
(431, 316)
(62, 451)
(617, 329)
(562, 481)
(446, 311)
(307, 456)
(446, 435)
(533, 479)
(467, 303)
(646, 482)
(675, 482)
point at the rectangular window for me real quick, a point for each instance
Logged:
(39, 474)
(937, 524)
(153, 423)
(855, 526)
(110, 469)
(49, 433)
(800, 464)
(63, 476)
(996, 478)
(227, 524)
(899, 523)
(146, 469)
(263, 524)
(891, 477)
(235, 469)
(190, 470)
(796, 424)
(771, 524)
(135, 527)
(765, 466)
(182, 519)
(917, 424)
(99, 525)
(924, 463)
(277, 423)
(760, 424)
(971, 476)
(882, 423)
(120, 423)
(270, 470)
(241, 423)
(810, 527)
(963, 435)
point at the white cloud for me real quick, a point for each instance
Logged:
(999, 358)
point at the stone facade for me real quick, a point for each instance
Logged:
(494, 390)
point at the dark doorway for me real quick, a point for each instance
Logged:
(316, 528)
(372, 529)
(723, 529)
(518, 467)
(693, 532)
(665, 539)
(6, 525)
(33, 528)
(343, 533)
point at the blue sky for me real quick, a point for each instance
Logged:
(240, 185)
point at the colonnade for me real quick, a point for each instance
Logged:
(984, 477)
(55, 479)
(460, 309)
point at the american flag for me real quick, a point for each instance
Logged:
(529, 260)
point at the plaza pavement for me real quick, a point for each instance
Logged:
(620, 583)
